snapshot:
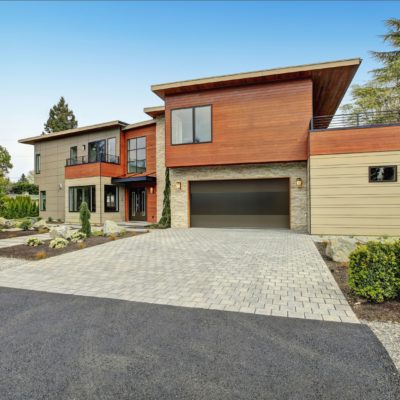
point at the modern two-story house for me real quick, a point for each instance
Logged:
(256, 150)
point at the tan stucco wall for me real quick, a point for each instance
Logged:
(160, 164)
(53, 155)
(298, 196)
(99, 216)
(344, 202)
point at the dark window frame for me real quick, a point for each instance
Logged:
(383, 166)
(98, 158)
(38, 165)
(42, 206)
(136, 151)
(110, 209)
(193, 108)
(92, 205)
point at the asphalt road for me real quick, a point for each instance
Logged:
(58, 347)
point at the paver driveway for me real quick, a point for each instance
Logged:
(256, 271)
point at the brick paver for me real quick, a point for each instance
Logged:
(254, 271)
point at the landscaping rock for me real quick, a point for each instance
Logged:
(3, 222)
(7, 223)
(40, 225)
(338, 249)
(61, 231)
(111, 228)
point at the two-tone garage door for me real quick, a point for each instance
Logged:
(252, 203)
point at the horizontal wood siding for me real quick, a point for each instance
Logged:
(92, 169)
(360, 140)
(251, 124)
(344, 202)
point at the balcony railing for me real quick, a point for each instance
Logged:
(356, 120)
(106, 158)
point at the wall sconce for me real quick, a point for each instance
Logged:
(151, 189)
(83, 147)
(299, 183)
(178, 186)
(60, 186)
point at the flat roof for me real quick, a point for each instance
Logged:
(139, 124)
(154, 111)
(331, 80)
(71, 132)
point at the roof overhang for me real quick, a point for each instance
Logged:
(72, 132)
(133, 179)
(154, 111)
(139, 124)
(330, 82)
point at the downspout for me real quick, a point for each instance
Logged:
(100, 205)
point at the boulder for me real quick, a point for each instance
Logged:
(40, 225)
(7, 223)
(3, 222)
(111, 228)
(61, 231)
(339, 248)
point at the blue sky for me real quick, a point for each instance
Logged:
(103, 56)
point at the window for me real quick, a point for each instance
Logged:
(111, 201)
(191, 125)
(42, 201)
(137, 155)
(97, 151)
(111, 147)
(78, 194)
(37, 164)
(73, 155)
(386, 173)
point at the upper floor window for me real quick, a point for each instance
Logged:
(37, 164)
(191, 125)
(387, 173)
(137, 155)
(73, 155)
(111, 150)
(97, 151)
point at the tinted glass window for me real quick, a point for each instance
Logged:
(111, 198)
(383, 173)
(137, 155)
(182, 126)
(79, 194)
(202, 124)
(42, 201)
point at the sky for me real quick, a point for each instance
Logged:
(104, 56)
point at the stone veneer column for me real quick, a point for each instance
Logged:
(160, 163)
(292, 170)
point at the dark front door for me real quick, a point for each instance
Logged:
(137, 204)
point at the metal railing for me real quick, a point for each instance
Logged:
(106, 158)
(355, 120)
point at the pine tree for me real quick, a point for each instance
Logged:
(84, 216)
(61, 118)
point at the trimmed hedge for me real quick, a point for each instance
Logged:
(374, 271)
(19, 207)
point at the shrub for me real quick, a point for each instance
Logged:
(40, 255)
(97, 233)
(34, 242)
(25, 224)
(50, 219)
(375, 271)
(78, 237)
(18, 207)
(58, 243)
(81, 245)
(84, 216)
(113, 237)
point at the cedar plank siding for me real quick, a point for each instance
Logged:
(250, 124)
(92, 169)
(358, 140)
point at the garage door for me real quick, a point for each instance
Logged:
(253, 203)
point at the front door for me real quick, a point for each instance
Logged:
(137, 206)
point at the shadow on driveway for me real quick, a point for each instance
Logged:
(55, 346)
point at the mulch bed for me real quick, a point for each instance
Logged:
(31, 253)
(12, 234)
(384, 312)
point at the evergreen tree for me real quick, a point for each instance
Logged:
(382, 93)
(5, 161)
(61, 118)
(165, 220)
(84, 216)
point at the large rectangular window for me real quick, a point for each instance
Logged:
(111, 150)
(137, 155)
(111, 200)
(37, 163)
(191, 125)
(79, 194)
(97, 151)
(42, 201)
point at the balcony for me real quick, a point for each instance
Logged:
(357, 120)
(104, 158)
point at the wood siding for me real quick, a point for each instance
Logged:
(92, 169)
(359, 140)
(344, 202)
(250, 124)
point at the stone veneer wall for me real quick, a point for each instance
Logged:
(298, 201)
(160, 164)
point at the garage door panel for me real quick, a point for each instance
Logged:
(240, 203)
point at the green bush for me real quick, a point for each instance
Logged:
(25, 224)
(84, 216)
(374, 271)
(77, 237)
(18, 207)
(34, 242)
(58, 243)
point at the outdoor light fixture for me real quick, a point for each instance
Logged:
(84, 147)
(299, 182)
(178, 185)
(151, 189)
